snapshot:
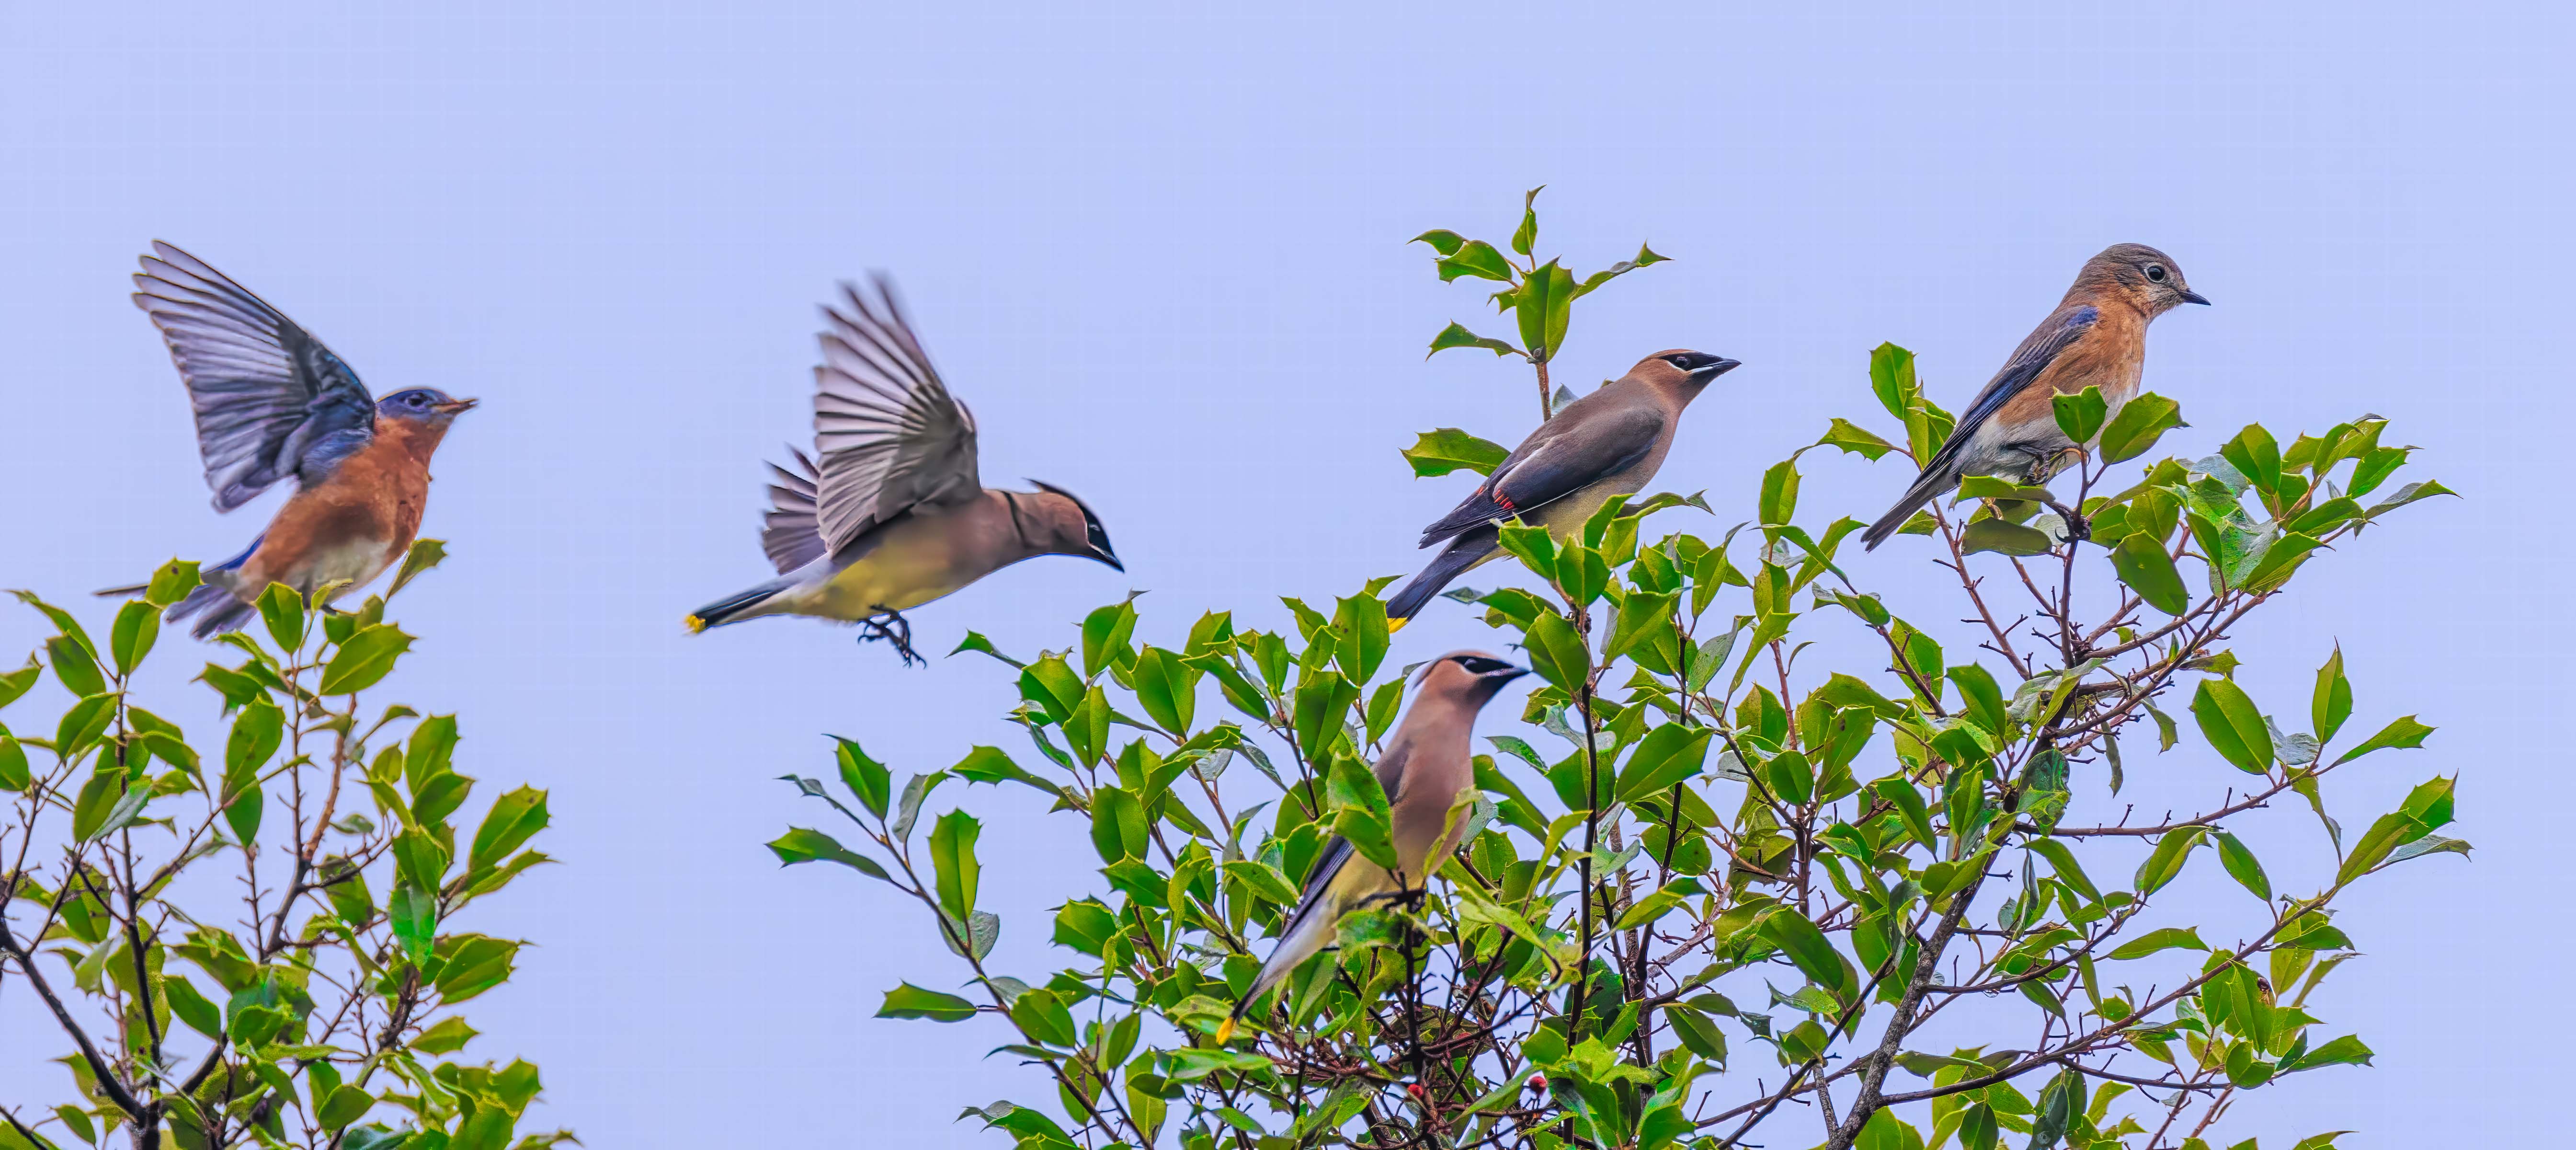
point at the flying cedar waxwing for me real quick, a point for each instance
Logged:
(2097, 337)
(1427, 765)
(894, 515)
(1607, 443)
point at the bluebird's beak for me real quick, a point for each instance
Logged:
(455, 406)
(2190, 296)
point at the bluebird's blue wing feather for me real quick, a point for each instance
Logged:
(2031, 358)
(271, 401)
(2028, 361)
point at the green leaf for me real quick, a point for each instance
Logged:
(191, 1007)
(1360, 810)
(1557, 653)
(1667, 755)
(1697, 1032)
(975, 641)
(1457, 335)
(2229, 720)
(424, 554)
(2347, 1050)
(2404, 733)
(138, 625)
(2166, 861)
(2333, 702)
(909, 1001)
(345, 1105)
(1527, 234)
(447, 1036)
(1542, 305)
(14, 773)
(868, 779)
(2168, 938)
(2067, 869)
(2142, 563)
(171, 582)
(2004, 538)
(73, 666)
(1447, 449)
(1442, 240)
(282, 608)
(2058, 1105)
(474, 964)
(1780, 492)
(952, 853)
(1168, 688)
(1807, 947)
(1856, 440)
(1360, 623)
(514, 818)
(2243, 866)
(800, 845)
(2081, 416)
(1475, 258)
(414, 915)
(1118, 827)
(1043, 1017)
(365, 659)
(2141, 421)
(17, 683)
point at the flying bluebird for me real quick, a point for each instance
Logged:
(271, 404)
(1428, 763)
(2097, 337)
(1607, 443)
(894, 515)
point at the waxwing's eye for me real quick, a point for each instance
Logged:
(1480, 665)
(2156, 272)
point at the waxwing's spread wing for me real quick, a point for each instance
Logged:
(271, 402)
(889, 435)
(789, 531)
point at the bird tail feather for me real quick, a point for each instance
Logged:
(1462, 553)
(1927, 487)
(732, 608)
(1309, 931)
(217, 610)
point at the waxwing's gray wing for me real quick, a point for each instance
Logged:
(271, 402)
(789, 531)
(888, 434)
(1580, 447)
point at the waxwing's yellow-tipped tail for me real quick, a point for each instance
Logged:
(1225, 1031)
(1395, 625)
(695, 625)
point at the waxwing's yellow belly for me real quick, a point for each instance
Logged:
(913, 561)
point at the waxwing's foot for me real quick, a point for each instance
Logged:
(891, 626)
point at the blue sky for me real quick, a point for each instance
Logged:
(1160, 250)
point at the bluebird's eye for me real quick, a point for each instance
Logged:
(2156, 272)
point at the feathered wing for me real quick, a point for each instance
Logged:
(2024, 368)
(271, 402)
(1553, 463)
(888, 434)
(789, 530)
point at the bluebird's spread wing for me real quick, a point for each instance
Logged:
(789, 531)
(1552, 465)
(271, 401)
(889, 435)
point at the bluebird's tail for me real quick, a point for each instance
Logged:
(1927, 487)
(732, 608)
(217, 610)
(1462, 553)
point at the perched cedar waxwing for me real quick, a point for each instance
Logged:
(1428, 763)
(1607, 443)
(272, 403)
(2097, 337)
(894, 516)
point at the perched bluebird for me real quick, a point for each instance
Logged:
(1607, 443)
(894, 515)
(272, 403)
(2097, 337)
(1429, 762)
